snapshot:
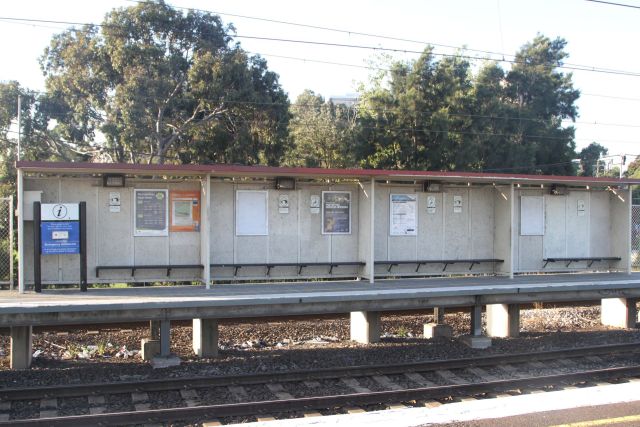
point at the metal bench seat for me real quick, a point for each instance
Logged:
(300, 265)
(591, 260)
(133, 268)
(446, 262)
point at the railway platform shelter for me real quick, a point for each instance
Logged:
(408, 236)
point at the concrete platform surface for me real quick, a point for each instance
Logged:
(244, 300)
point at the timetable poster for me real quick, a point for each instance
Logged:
(150, 210)
(336, 212)
(403, 215)
(185, 210)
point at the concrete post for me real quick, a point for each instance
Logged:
(438, 327)
(476, 320)
(154, 329)
(365, 326)
(503, 320)
(165, 338)
(476, 339)
(150, 347)
(619, 312)
(205, 337)
(21, 351)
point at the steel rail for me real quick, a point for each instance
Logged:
(322, 402)
(165, 384)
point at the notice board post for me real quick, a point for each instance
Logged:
(59, 229)
(37, 274)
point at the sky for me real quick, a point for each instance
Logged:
(598, 35)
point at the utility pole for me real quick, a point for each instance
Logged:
(19, 125)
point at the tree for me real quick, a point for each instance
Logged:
(323, 133)
(544, 97)
(436, 114)
(160, 84)
(589, 157)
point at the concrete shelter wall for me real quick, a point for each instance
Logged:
(568, 231)
(110, 239)
(443, 234)
(481, 230)
(293, 237)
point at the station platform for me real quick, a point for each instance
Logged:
(107, 305)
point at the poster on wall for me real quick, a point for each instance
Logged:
(336, 212)
(403, 215)
(185, 210)
(150, 212)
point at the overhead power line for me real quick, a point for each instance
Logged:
(574, 67)
(610, 3)
(350, 32)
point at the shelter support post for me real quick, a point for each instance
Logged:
(21, 347)
(205, 337)
(438, 328)
(619, 312)
(365, 326)
(205, 243)
(372, 232)
(503, 320)
(21, 278)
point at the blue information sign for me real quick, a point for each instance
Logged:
(60, 237)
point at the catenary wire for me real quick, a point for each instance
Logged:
(587, 68)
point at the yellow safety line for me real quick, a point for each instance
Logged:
(602, 422)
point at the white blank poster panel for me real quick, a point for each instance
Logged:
(532, 216)
(251, 213)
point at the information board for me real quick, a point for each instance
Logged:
(403, 215)
(185, 210)
(531, 216)
(150, 211)
(336, 212)
(251, 213)
(59, 237)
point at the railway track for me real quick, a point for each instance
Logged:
(313, 392)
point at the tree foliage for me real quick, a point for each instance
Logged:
(324, 133)
(589, 157)
(161, 84)
(436, 114)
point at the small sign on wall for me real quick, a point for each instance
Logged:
(431, 204)
(314, 204)
(581, 207)
(114, 201)
(457, 204)
(283, 203)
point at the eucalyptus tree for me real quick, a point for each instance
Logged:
(161, 85)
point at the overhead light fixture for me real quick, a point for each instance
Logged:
(285, 183)
(113, 180)
(431, 187)
(558, 190)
